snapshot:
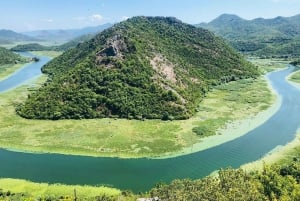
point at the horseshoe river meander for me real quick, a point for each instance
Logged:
(142, 174)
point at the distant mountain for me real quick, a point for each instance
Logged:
(270, 37)
(63, 47)
(145, 67)
(66, 35)
(8, 36)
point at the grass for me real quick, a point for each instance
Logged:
(130, 138)
(44, 190)
(51, 54)
(6, 70)
(268, 65)
(295, 77)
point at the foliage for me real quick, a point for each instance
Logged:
(8, 57)
(30, 47)
(125, 72)
(273, 183)
(277, 37)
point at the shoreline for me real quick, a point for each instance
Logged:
(280, 151)
(233, 129)
(274, 155)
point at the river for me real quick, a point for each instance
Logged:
(142, 174)
(24, 74)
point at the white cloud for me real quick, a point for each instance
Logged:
(96, 17)
(124, 18)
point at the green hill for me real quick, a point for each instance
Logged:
(8, 57)
(263, 37)
(145, 67)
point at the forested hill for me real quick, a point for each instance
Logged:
(8, 57)
(264, 37)
(145, 67)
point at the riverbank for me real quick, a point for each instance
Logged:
(230, 110)
(279, 153)
(8, 69)
(234, 129)
(275, 156)
(44, 190)
(131, 138)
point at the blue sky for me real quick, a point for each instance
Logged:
(26, 15)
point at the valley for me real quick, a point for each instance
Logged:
(149, 107)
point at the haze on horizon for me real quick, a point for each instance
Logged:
(21, 16)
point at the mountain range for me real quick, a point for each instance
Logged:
(67, 34)
(8, 36)
(145, 67)
(279, 36)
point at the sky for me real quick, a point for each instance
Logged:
(28, 15)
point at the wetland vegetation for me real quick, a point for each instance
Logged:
(131, 138)
(189, 86)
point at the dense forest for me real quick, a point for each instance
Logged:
(277, 182)
(8, 57)
(145, 67)
(277, 37)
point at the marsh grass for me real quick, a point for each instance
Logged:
(51, 54)
(129, 138)
(295, 77)
(268, 65)
(42, 190)
(6, 70)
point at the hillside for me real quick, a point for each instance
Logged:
(145, 67)
(8, 36)
(263, 37)
(8, 57)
